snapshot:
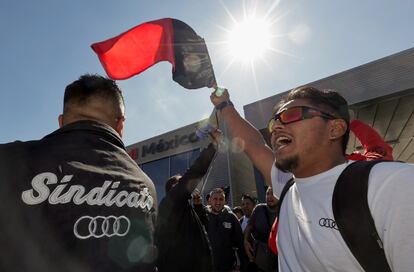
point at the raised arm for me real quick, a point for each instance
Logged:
(191, 178)
(248, 137)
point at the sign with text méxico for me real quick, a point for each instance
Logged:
(174, 142)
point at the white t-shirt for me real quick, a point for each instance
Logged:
(244, 221)
(308, 239)
(279, 179)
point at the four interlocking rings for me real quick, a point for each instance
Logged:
(100, 226)
(328, 223)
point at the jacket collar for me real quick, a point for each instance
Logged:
(91, 127)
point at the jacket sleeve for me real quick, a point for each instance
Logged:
(202, 214)
(194, 174)
(239, 244)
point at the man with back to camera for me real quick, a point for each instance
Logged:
(75, 200)
(310, 131)
(180, 235)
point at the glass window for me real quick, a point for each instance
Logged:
(158, 171)
(193, 155)
(178, 163)
(161, 170)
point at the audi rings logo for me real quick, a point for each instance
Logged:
(328, 223)
(101, 226)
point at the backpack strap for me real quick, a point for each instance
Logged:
(273, 231)
(354, 219)
(285, 189)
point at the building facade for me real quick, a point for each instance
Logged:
(172, 153)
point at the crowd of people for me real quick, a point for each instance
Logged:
(75, 201)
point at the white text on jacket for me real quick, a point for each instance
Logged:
(104, 195)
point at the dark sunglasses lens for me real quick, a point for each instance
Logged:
(291, 115)
(287, 116)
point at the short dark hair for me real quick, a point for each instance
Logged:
(247, 196)
(237, 209)
(328, 100)
(216, 191)
(91, 85)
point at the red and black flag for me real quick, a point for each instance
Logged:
(137, 49)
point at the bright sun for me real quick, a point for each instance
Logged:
(251, 35)
(250, 39)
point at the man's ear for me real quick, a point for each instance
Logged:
(120, 126)
(338, 129)
(60, 120)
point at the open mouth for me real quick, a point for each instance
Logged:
(282, 141)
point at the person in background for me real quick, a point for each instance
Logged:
(225, 235)
(74, 200)
(238, 212)
(248, 203)
(208, 200)
(180, 236)
(257, 233)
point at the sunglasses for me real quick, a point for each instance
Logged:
(295, 114)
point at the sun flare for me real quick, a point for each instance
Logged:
(250, 39)
(254, 36)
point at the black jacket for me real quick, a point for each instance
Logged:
(226, 238)
(75, 201)
(181, 238)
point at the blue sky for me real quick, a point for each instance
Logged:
(45, 46)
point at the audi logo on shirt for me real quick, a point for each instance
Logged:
(101, 226)
(328, 223)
